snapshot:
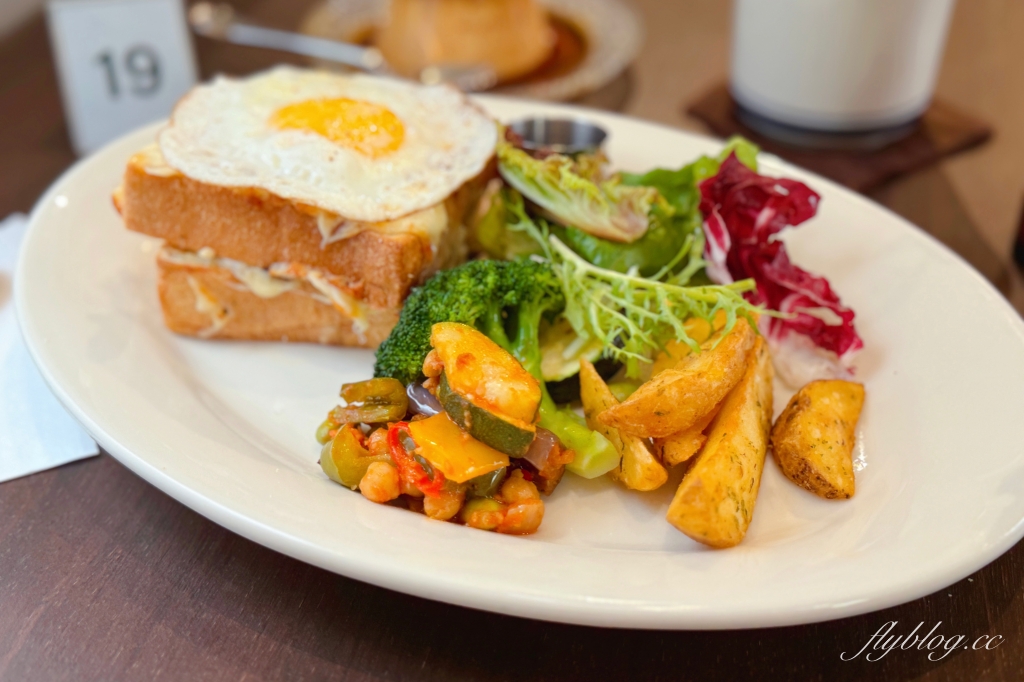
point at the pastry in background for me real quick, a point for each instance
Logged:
(512, 36)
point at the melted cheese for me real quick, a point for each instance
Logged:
(206, 304)
(278, 279)
(330, 288)
(334, 228)
(257, 280)
(151, 160)
(429, 224)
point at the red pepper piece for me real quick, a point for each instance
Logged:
(430, 484)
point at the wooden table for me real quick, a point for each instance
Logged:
(104, 577)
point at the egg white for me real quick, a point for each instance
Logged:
(221, 134)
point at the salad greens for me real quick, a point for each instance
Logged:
(813, 332)
(668, 232)
(679, 187)
(672, 217)
(573, 193)
(632, 315)
(491, 231)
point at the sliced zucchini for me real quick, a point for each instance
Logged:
(484, 373)
(568, 390)
(512, 437)
(561, 350)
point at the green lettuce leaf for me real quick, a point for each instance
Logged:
(679, 187)
(571, 194)
(672, 219)
(490, 233)
(667, 234)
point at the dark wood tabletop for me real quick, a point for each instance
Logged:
(103, 577)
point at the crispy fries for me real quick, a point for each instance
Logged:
(715, 501)
(638, 469)
(678, 398)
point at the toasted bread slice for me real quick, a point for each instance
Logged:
(383, 260)
(201, 297)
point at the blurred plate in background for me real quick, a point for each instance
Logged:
(595, 41)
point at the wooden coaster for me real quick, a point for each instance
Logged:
(942, 131)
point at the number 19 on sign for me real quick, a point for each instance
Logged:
(140, 65)
(122, 63)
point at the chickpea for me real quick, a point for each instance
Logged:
(409, 488)
(380, 483)
(432, 365)
(432, 384)
(377, 444)
(517, 489)
(483, 513)
(522, 518)
(444, 507)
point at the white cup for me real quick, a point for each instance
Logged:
(838, 65)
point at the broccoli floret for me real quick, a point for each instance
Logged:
(538, 293)
(487, 294)
(506, 300)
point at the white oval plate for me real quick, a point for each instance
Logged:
(227, 429)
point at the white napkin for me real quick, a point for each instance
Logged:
(36, 433)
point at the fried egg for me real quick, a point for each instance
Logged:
(361, 147)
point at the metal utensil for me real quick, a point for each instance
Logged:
(220, 22)
(561, 135)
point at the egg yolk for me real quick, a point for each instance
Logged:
(364, 127)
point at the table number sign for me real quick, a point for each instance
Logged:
(122, 63)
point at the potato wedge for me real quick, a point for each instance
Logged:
(680, 447)
(676, 399)
(638, 469)
(715, 501)
(813, 438)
